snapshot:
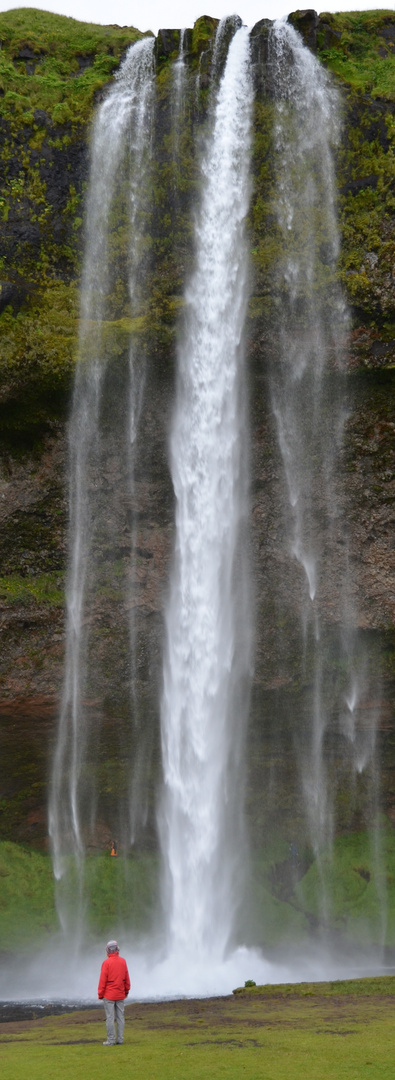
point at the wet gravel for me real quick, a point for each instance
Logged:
(34, 1010)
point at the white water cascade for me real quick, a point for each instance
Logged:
(100, 470)
(309, 401)
(207, 650)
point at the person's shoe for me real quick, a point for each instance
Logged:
(119, 1043)
(107, 1043)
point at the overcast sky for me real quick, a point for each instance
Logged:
(153, 14)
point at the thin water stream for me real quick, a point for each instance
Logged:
(120, 145)
(310, 404)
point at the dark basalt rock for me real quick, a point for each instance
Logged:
(167, 42)
(354, 186)
(327, 37)
(306, 22)
(259, 43)
(42, 119)
(84, 61)
(12, 295)
(388, 33)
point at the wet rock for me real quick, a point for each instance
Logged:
(327, 35)
(259, 44)
(12, 295)
(306, 23)
(167, 42)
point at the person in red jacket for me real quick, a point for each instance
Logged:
(114, 986)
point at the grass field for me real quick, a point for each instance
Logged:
(322, 1031)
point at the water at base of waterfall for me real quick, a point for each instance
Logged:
(54, 976)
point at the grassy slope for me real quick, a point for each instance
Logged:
(279, 1033)
(358, 49)
(60, 83)
(120, 891)
(123, 893)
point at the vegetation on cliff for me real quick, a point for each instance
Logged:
(359, 51)
(52, 71)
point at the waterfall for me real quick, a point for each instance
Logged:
(102, 775)
(309, 402)
(101, 435)
(206, 661)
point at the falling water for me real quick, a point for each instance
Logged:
(308, 399)
(179, 78)
(99, 483)
(206, 659)
(178, 100)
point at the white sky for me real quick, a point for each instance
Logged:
(174, 14)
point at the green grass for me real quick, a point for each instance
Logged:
(281, 1033)
(59, 45)
(359, 53)
(118, 893)
(27, 898)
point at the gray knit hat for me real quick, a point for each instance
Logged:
(111, 947)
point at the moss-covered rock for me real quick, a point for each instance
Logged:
(359, 49)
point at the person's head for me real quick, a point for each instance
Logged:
(112, 947)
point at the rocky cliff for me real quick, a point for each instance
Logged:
(52, 72)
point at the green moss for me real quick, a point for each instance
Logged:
(37, 356)
(203, 33)
(358, 876)
(41, 589)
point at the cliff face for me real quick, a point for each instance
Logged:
(52, 71)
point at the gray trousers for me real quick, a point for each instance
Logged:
(115, 1011)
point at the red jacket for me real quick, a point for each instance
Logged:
(114, 982)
